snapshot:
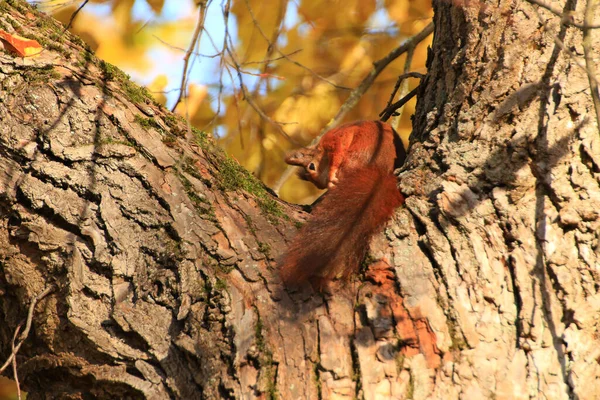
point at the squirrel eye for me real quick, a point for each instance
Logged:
(311, 166)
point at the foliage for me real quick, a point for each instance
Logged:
(294, 62)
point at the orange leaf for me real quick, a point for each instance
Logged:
(156, 5)
(20, 45)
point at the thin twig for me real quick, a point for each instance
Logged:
(266, 61)
(378, 67)
(360, 90)
(589, 61)
(75, 15)
(186, 59)
(250, 100)
(399, 81)
(273, 45)
(25, 333)
(564, 48)
(390, 110)
(395, 122)
(173, 47)
(223, 64)
(566, 19)
(14, 363)
(252, 104)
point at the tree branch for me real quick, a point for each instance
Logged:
(589, 60)
(361, 89)
(564, 18)
(403, 94)
(23, 336)
(390, 110)
(202, 6)
(75, 15)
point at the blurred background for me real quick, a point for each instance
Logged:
(257, 67)
(263, 77)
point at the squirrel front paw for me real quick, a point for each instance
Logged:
(333, 180)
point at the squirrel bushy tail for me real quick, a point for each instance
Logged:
(335, 239)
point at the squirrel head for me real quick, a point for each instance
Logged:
(313, 163)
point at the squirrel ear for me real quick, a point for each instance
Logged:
(302, 157)
(296, 158)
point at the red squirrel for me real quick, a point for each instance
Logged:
(356, 162)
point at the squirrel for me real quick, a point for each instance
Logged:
(356, 162)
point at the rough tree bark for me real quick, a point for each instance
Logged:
(160, 251)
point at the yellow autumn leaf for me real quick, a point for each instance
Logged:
(197, 106)
(157, 88)
(256, 18)
(121, 13)
(32, 51)
(329, 45)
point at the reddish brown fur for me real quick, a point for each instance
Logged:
(334, 241)
(347, 147)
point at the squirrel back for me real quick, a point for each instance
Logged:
(334, 241)
(347, 148)
(356, 162)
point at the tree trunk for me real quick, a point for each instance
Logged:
(160, 253)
